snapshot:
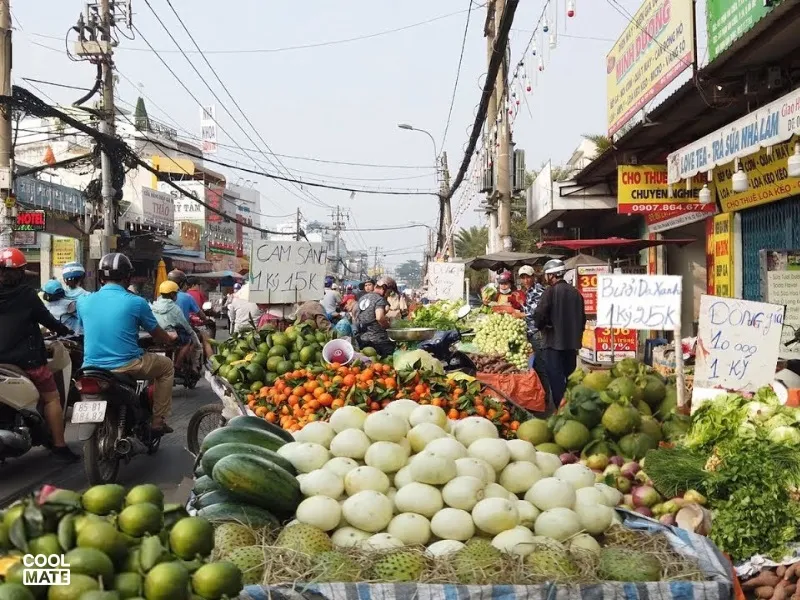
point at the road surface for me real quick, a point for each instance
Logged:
(167, 468)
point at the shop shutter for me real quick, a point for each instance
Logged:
(766, 227)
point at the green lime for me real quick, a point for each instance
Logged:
(78, 584)
(217, 579)
(14, 591)
(233, 376)
(191, 537)
(279, 339)
(284, 367)
(306, 354)
(369, 351)
(138, 519)
(46, 544)
(98, 595)
(273, 362)
(260, 358)
(271, 378)
(104, 499)
(256, 386)
(255, 372)
(291, 333)
(128, 585)
(278, 351)
(263, 348)
(91, 562)
(103, 537)
(294, 357)
(166, 581)
(147, 492)
(12, 513)
(233, 357)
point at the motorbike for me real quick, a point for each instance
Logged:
(789, 377)
(189, 375)
(22, 424)
(114, 418)
(209, 326)
(442, 347)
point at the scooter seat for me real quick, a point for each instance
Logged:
(120, 378)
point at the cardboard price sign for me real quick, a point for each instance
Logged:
(639, 301)
(286, 272)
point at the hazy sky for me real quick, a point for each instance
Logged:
(340, 101)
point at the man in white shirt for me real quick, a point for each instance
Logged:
(330, 298)
(242, 313)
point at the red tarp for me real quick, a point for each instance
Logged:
(612, 242)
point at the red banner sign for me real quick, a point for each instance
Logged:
(586, 282)
(31, 220)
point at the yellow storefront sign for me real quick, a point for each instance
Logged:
(656, 47)
(767, 172)
(63, 251)
(723, 255)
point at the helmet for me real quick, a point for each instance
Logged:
(177, 276)
(168, 287)
(555, 267)
(328, 281)
(115, 266)
(12, 258)
(505, 277)
(237, 287)
(73, 270)
(53, 290)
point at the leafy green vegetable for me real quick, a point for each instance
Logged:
(442, 315)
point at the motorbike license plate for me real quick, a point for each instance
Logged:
(89, 412)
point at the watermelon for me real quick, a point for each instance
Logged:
(215, 453)
(258, 481)
(258, 423)
(242, 435)
(229, 511)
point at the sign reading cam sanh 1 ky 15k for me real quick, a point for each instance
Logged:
(654, 49)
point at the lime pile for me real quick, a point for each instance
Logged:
(252, 359)
(118, 546)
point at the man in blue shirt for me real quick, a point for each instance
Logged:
(193, 313)
(111, 319)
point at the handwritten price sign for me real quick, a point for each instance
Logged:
(639, 301)
(286, 272)
(445, 281)
(737, 343)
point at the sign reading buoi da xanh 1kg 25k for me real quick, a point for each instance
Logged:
(639, 301)
(652, 51)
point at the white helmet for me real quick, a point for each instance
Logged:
(555, 267)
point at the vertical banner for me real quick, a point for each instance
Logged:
(723, 255)
(208, 128)
(710, 289)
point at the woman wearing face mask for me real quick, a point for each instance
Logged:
(507, 294)
(398, 307)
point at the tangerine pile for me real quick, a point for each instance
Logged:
(306, 395)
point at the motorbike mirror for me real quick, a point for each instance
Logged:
(463, 311)
(206, 306)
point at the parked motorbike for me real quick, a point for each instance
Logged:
(442, 347)
(22, 425)
(789, 377)
(189, 375)
(114, 417)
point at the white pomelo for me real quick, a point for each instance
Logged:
(463, 492)
(583, 543)
(423, 434)
(432, 468)
(347, 417)
(475, 428)
(518, 477)
(521, 450)
(443, 548)
(386, 456)
(493, 515)
(612, 495)
(550, 493)
(528, 513)
(401, 408)
(495, 490)
(288, 449)
(320, 511)
(595, 518)
(382, 426)
(349, 537)
(580, 476)
(476, 467)
(368, 510)
(450, 427)
(558, 523)
(390, 494)
(453, 524)
(318, 432)
(341, 465)
(448, 447)
(589, 495)
(366, 478)
(547, 463)
(492, 450)
(519, 540)
(410, 528)
(308, 457)
(383, 541)
(428, 414)
(350, 443)
(403, 477)
(322, 482)
(406, 445)
(419, 498)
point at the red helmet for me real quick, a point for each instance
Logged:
(12, 258)
(505, 277)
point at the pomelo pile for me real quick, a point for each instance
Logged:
(118, 546)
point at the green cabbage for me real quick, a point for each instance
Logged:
(417, 360)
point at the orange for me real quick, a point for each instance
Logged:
(453, 414)
(419, 389)
(374, 406)
(480, 410)
(349, 380)
(514, 425)
(313, 405)
(325, 399)
(318, 392)
(270, 417)
(337, 380)
(294, 400)
(390, 383)
(261, 411)
(338, 403)
(285, 410)
(299, 390)
(308, 398)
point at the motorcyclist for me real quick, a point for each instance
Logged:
(170, 318)
(190, 308)
(61, 307)
(73, 274)
(21, 343)
(111, 319)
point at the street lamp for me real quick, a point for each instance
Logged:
(408, 127)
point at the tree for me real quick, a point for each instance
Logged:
(522, 238)
(410, 272)
(471, 242)
(602, 142)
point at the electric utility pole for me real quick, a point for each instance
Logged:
(298, 225)
(6, 141)
(337, 217)
(490, 33)
(107, 190)
(448, 214)
(503, 146)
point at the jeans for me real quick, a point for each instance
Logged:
(158, 369)
(537, 363)
(559, 365)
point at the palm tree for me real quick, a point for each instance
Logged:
(471, 242)
(602, 142)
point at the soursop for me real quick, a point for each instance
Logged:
(399, 567)
(620, 564)
(229, 536)
(305, 539)
(478, 563)
(251, 561)
(551, 562)
(335, 567)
